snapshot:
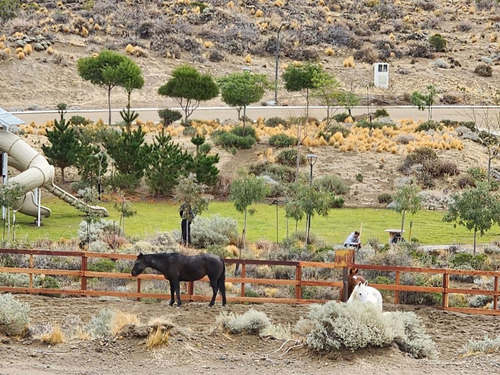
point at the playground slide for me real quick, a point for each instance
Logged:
(36, 172)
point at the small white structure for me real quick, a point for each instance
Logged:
(381, 75)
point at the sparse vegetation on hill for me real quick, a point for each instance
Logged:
(222, 36)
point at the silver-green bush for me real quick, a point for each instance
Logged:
(14, 279)
(334, 325)
(486, 345)
(100, 326)
(213, 230)
(14, 317)
(253, 321)
(96, 230)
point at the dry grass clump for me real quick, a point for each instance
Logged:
(158, 337)
(160, 332)
(349, 62)
(120, 320)
(54, 336)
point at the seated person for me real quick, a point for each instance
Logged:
(397, 238)
(353, 240)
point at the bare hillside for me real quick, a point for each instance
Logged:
(219, 36)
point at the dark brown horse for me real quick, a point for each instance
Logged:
(177, 267)
(352, 280)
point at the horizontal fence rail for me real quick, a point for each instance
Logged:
(344, 259)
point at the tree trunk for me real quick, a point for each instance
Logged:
(109, 106)
(403, 221)
(475, 241)
(298, 153)
(489, 168)
(244, 233)
(307, 105)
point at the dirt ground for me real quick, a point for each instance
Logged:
(196, 346)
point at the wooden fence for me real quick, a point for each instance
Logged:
(344, 260)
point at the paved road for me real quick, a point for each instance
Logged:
(461, 113)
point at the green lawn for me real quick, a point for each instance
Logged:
(164, 216)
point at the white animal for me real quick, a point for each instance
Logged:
(366, 294)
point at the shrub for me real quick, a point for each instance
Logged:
(79, 120)
(275, 121)
(484, 70)
(14, 316)
(421, 155)
(486, 345)
(437, 42)
(341, 117)
(428, 125)
(289, 158)
(332, 183)
(100, 326)
(366, 54)
(384, 198)
(466, 181)
(252, 322)
(381, 112)
(213, 230)
(405, 139)
(102, 265)
(332, 129)
(373, 124)
(477, 262)
(96, 230)
(8, 9)
(239, 138)
(50, 282)
(333, 326)
(169, 116)
(282, 140)
(14, 279)
(419, 49)
(438, 168)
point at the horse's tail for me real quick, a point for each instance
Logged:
(222, 278)
(221, 282)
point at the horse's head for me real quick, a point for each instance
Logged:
(354, 279)
(361, 291)
(139, 265)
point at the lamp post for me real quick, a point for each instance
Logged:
(246, 71)
(277, 62)
(311, 159)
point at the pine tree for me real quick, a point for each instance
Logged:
(129, 154)
(167, 162)
(64, 146)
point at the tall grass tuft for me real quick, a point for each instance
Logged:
(55, 336)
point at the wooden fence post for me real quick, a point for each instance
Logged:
(495, 297)
(345, 284)
(138, 288)
(243, 275)
(446, 282)
(84, 273)
(31, 274)
(396, 292)
(298, 286)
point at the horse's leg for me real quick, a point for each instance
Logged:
(215, 288)
(178, 292)
(172, 292)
